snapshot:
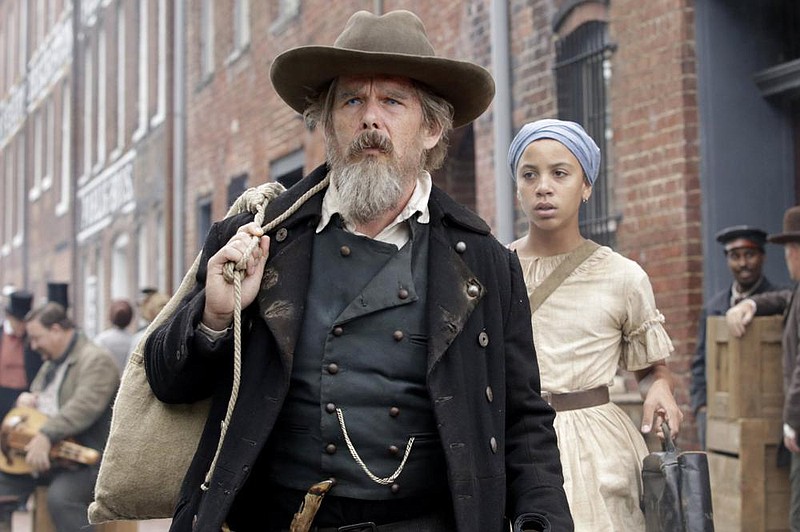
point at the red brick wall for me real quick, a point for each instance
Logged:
(656, 155)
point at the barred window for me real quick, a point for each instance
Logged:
(582, 70)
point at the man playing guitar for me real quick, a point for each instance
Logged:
(71, 400)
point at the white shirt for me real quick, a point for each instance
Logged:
(398, 231)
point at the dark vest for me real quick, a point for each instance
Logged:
(361, 357)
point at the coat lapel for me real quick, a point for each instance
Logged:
(453, 293)
(284, 286)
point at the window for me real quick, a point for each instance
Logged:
(241, 25)
(203, 220)
(288, 170)
(121, 65)
(38, 133)
(101, 98)
(119, 268)
(49, 144)
(236, 187)
(19, 221)
(287, 10)
(87, 117)
(582, 70)
(206, 39)
(66, 146)
(10, 207)
(143, 262)
(143, 68)
(161, 80)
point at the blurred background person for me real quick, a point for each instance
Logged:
(117, 339)
(151, 305)
(18, 362)
(73, 390)
(744, 251)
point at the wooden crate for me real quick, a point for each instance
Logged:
(43, 523)
(744, 375)
(748, 491)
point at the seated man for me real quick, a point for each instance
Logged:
(74, 390)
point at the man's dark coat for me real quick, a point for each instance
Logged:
(483, 377)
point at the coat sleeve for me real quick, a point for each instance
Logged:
(770, 303)
(182, 365)
(533, 463)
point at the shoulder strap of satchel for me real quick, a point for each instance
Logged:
(561, 272)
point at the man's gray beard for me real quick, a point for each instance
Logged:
(367, 189)
(370, 187)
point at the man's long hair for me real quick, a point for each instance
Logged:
(437, 113)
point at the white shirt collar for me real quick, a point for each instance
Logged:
(397, 232)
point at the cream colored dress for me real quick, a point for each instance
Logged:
(601, 317)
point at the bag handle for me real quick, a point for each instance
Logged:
(668, 444)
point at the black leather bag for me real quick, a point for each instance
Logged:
(677, 490)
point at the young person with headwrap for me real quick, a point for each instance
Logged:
(600, 317)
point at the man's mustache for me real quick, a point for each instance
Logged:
(370, 140)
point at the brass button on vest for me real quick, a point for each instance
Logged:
(337, 331)
(493, 444)
(333, 368)
(489, 394)
(330, 408)
(397, 335)
(330, 448)
(345, 251)
(394, 411)
(402, 293)
(461, 247)
(281, 235)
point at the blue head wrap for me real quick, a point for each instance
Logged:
(570, 134)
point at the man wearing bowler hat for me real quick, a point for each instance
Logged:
(786, 302)
(387, 343)
(743, 246)
(18, 362)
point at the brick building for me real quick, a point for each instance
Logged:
(172, 115)
(86, 148)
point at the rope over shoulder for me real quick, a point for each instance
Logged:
(253, 200)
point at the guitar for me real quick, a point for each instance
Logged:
(19, 427)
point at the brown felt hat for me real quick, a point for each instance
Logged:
(394, 44)
(791, 227)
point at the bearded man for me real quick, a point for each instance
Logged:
(386, 334)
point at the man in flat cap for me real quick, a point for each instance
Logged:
(786, 302)
(743, 246)
(387, 344)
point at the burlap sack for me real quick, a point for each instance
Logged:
(151, 444)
